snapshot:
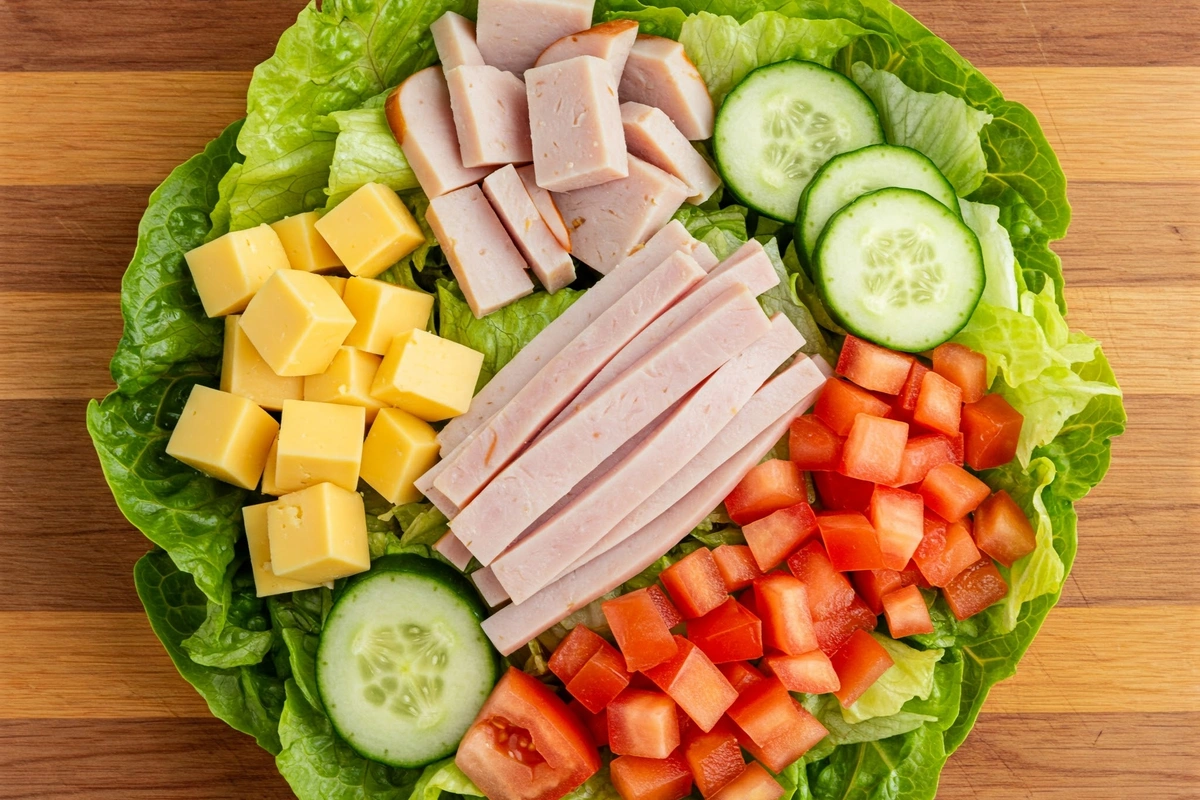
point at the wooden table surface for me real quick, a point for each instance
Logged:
(99, 99)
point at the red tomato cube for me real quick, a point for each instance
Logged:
(772, 726)
(839, 493)
(640, 630)
(840, 402)
(836, 610)
(923, 453)
(946, 550)
(651, 778)
(872, 585)
(906, 612)
(963, 367)
(694, 682)
(574, 651)
(951, 492)
(768, 487)
(1002, 530)
(714, 757)
(992, 429)
(939, 405)
(813, 446)
(666, 608)
(596, 723)
(898, 517)
(859, 663)
(975, 588)
(850, 541)
(874, 449)
(811, 673)
(737, 566)
(907, 399)
(873, 367)
(601, 679)
(695, 584)
(782, 603)
(755, 783)
(740, 674)
(727, 633)
(775, 536)
(643, 724)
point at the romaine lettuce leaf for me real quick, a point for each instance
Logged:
(443, 776)
(999, 262)
(365, 152)
(297, 619)
(905, 766)
(782, 298)
(911, 675)
(722, 229)
(235, 631)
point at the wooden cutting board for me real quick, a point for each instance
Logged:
(99, 99)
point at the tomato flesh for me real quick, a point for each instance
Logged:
(839, 493)
(906, 612)
(525, 744)
(666, 609)
(727, 633)
(874, 449)
(1002, 530)
(906, 400)
(782, 604)
(775, 536)
(963, 367)
(812, 445)
(643, 724)
(636, 778)
(951, 492)
(859, 663)
(714, 758)
(737, 566)
(992, 429)
(874, 584)
(695, 584)
(873, 367)
(772, 726)
(768, 487)
(975, 588)
(755, 783)
(695, 684)
(946, 550)
(597, 724)
(811, 673)
(640, 630)
(836, 610)
(573, 652)
(840, 402)
(898, 518)
(740, 674)
(939, 405)
(923, 453)
(850, 541)
(601, 679)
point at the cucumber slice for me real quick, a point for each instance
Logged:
(781, 124)
(853, 174)
(898, 268)
(403, 666)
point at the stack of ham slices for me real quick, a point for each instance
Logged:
(539, 138)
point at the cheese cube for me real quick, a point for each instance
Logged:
(223, 435)
(244, 373)
(429, 377)
(297, 323)
(382, 312)
(269, 486)
(231, 268)
(318, 534)
(399, 449)
(348, 381)
(338, 283)
(319, 443)
(371, 230)
(306, 249)
(266, 582)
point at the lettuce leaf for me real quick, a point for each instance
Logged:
(783, 298)
(722, 229)
(999, 261)
(443, 776)
(905, 766)
(365, 152)
(911, 675)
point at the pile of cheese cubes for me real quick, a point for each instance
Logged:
(349, 364)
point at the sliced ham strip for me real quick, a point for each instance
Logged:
(651, 136)
(491, 116)
(543, 201)
(489, 588)
(545, 256)
(454, 552)
(454, 38)
(658, 73)
(610, 41)
(513, 33)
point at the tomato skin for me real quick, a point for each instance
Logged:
(946, 550)
(695, 684)
(1002, 530)
(714, 757)
(872, 585)
(898, 518)
(727, 633)
(782, 604)
(963, 367)
(772, 726)
(850, 541)
(811, 673)
(812, 445)
(840, 402)
(873, 367)
(643, 724)
(737, 566)
(776, 535)
(951, 492)
(640, 630)
(740, 674)
(939, 405)
(874, 449)
(695, 584)
(666, 609)
(579, 645)
(836, 610)
(839, 493)
(597, 724)
(755, 783)
(907, 399)
(651, 778)
(768, 487)
(600, 680)
(859, 663)
(923, 453)
(906, 612)
(566, 755)
(992, 429)
(975, 588)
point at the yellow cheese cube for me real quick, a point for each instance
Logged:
(297, 323)
(348, 381)
(382, 312)
(306, 249)
(338, 283)
(266, 582)
(318, 534)
(429, 377)
(319, 443)
(231, 268)
(223, 435)
(244, 373)
(269, 486)
(399, 449)
(371, 230)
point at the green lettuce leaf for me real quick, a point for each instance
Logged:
(443, 776)
(722, 229)
(421, 523)
(999, 261)
(297, 618)
(911, 675)
(236, 631)
(597, 787)
(219, 217)
(365, 152)
(900, 767)
(782, 298)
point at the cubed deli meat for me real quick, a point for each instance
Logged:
(491, 116)
(651, 136)
(610, 41)
(454, 38)
(513, 33)
(658, 73)
(512, 203)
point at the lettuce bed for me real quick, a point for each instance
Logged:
(315, 131)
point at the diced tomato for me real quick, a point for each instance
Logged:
(740, 674)
(840, 402)
(601, 679)
(737, 566)
(642, 724)
(811, 673)
(772, 726)
(836, 610)
(573, 652)
(975, 588)
(907, 399)
(695, 584)
(666, 608)
(939, 405)
(727, 633)
(640, 630)
(951, 492)
(694, 682)
(958, 443)
(768, 487)
(872, 585)
(782, 603)
(839, 493)
(812, 445)
(859, 663)
(963, 367)
(775, 536)
(597, 723)
(873, 367)
(746, 598)
(874, 449)
(651, 778)
(1002, 530)
(946, 550)
(992, 429)
(923, 453)
(897, 517)
(906, 612)
(850, 540)
(525, 744)
(755, 783)
(714, 757)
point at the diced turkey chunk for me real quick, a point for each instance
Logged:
(658, 73)
(610, 41)
(491, 116)
(651, 136)
(513, 33)
(543, 201)
(545, 256)
(454, 38)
